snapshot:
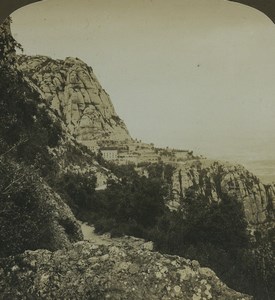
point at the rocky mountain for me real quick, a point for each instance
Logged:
(71, 88)
(214, 179)
(51, 107)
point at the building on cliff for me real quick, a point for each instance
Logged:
(109, 153)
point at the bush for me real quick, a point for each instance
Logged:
(24, 216)
(26, 126)
(78, 189)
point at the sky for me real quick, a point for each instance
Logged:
(190, 74)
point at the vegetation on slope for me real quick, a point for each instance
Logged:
(213, 233)
(216, 233)
(29, 209)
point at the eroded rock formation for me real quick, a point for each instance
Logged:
(72, 90)
(86, 270)
(213, 179)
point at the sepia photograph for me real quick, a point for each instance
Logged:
(137, 149)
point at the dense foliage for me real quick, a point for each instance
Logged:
(129, 206)
(7, 43)
(77, 189)
(213, 233)
(26, 127)
(24, 216)
(26, 134)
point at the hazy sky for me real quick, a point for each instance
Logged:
(195, 74)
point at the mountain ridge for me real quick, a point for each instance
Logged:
(63, 98)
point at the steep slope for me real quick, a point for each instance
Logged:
(66, 96)
(32, 215)
(72, 90)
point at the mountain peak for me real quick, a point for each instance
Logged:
(71, 88)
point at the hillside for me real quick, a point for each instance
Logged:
(51, 109)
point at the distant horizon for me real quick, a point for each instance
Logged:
(190, 75)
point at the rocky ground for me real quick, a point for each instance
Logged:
(126, 268)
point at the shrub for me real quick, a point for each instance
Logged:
(78, 189)
(24, 216)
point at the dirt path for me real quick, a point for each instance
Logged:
(89, 234)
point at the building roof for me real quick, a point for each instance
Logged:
(108, 149)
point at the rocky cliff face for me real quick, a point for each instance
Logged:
(118, 270)
(124, 269)
(69, 155)
(213, 179)
(72, 90)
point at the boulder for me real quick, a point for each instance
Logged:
(100, 271)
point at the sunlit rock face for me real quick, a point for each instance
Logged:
(214, 180)
(71, 89)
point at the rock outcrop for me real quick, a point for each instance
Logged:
(126, 269)
(213, 180)
(72, 90)
(85, 270)
(69, 154)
